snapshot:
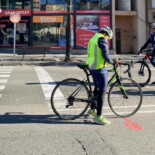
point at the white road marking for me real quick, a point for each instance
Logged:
(3, 80)
(6, 69)
(139, 112)
(2, 87)
(47, 83)
(4, 76)
(5, 72)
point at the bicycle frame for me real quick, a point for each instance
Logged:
(87, 83)
(118, 79)
(147, 56)
(112, 79)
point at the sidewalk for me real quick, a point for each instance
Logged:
(53, 59)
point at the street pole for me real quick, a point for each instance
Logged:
(14, 42)
(14, 18)
(68, 29)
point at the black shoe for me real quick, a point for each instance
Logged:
(153, 82)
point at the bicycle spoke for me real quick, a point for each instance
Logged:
(74, 101)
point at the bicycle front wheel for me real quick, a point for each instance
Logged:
(70, 99)
(125, 103)
(141, 73)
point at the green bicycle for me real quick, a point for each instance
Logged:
(71, 97)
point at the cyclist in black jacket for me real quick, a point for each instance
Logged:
(151, 42)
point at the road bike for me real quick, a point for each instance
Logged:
(141, 70)
(72, 97)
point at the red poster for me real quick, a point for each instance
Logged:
(92, 11)
(87, 26)
(104, 20)
(83, 37)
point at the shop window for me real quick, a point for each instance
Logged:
(153, 4)
(7, 30)
(49, 5)
(93, 4)
(49, 31)
(15, 4)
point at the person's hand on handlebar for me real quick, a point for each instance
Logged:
(139, 52)
(116, 61)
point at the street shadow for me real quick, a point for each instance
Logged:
(21, 118)
(46, 83)
(52, 83)
(148, 93)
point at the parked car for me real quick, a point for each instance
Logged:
(36, 36)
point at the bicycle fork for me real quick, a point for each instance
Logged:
(141, 70)
(122, 88)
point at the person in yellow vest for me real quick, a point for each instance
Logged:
(98, 60)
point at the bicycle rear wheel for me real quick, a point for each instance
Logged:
(70, 99)
(120, 104)
(141, 73)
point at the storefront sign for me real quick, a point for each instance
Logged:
(47, 19)
(15, 17)
(22, 12)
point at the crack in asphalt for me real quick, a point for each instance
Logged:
(82, 145)
(105, 143)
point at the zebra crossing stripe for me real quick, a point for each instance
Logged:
(2, 87)
(3, 80)
(47, 83)
(4, 75)
(5, 72)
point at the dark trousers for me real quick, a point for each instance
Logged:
(100, 81)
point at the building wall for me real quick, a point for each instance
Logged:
(124, 23)
(141, 23)
(132, 25)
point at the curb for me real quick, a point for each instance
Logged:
(40, 63)
(55, 60)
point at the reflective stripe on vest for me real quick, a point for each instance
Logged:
(95, 59)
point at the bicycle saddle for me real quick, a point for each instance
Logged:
(82, 66)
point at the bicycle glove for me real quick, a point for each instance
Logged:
(139, 52)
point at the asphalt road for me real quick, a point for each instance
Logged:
(28, 125)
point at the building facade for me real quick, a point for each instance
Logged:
(44, 23)
(130, 25)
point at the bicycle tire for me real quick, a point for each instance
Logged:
(121, 106)
(62, 94)
(143, 78)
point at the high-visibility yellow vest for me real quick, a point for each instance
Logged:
(95, 60)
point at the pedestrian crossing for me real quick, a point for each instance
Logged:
(47, 83)
(45, 79)
(5, 72)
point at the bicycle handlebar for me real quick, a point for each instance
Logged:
(129, 64)
(148, 51)
(120, 62)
